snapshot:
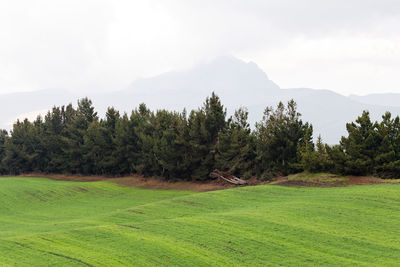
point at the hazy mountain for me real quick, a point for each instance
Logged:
(237, 83)
(329, 112)
(12, 106)
(388, 99)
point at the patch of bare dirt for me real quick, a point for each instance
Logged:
(210, 185)
(367, 180)
(155, 183)
(299, 183)
(350, 180)
(142, 182)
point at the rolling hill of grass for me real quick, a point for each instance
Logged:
(62, 223)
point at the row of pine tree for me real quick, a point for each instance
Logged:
(178, 145)
(370, 148)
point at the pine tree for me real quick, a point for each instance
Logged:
(315, 158)
(39, 152)
(360, 146)
(201, 153)
(77, 123)
(387, 156)
(112, 117)
(109, 160)
(3, 137)
(143, 119)
(214, 117)
(170, 144)
(278, 137)
(204, 127)
(20, 148)
(95, 146)
(237, 146)
(53, 141)
(126, 144)
(308, 154)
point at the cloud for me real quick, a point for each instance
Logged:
(50, 43)
(105, 45)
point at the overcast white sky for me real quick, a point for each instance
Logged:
(349, 46)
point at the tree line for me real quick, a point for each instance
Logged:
(181, 145)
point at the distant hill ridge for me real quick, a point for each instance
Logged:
(238, 83)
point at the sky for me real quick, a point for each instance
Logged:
(348, 46)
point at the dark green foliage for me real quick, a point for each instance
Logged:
(20, 148)
(387, 157)
(171, 149)
(214, 117)
(126, 144)
(175, 145)
(308, 154)
(279, 135)
(237, 146)
(201, 153)
(3, 139)
(97, 149)
(53, 141)
(146, 161)
(360, 145)
(315, 158)
(371, 148)
(76, 127)
(204, 126)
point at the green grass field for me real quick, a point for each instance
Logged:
(60, 223)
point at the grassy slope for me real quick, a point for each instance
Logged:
(45, 222)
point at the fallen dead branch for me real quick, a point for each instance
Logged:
(227, 177)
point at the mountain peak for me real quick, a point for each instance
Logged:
(227, 59)
(225, 75)
(228, 63)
